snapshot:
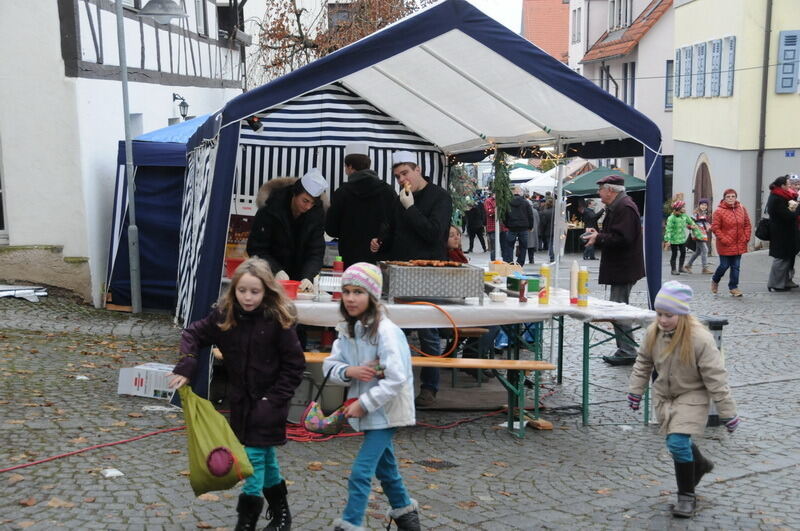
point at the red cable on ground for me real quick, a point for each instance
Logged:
(40, 461)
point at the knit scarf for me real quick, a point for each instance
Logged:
(784, 193)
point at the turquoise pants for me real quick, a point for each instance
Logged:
(266, 472)
(680, 446)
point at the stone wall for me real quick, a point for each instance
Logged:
(45, 264)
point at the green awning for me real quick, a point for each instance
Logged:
(586, 184)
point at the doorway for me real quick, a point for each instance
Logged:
(702, 185)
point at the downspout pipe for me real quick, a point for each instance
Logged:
(762, 126)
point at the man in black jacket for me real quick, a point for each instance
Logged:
(420, 229)
(288, 231)
(519, 221)
(360, 208)
(476, 221)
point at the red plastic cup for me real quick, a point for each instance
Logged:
(290, 288)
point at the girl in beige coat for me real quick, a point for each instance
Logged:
(690, 371)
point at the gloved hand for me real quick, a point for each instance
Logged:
(406, 198)
(281, 275)
(732, 424)
(306, 285)
(633, 401)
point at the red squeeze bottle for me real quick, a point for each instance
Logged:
(338, 267)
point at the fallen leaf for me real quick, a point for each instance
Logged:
(603, 491)
(48, 487)
(58, 502)
(79, 440)
(433, 486)
(89, 500)
(184, 472)
(331, 463)
(104, 429)
(174, 452)
(426, 507)
(504, 493)
(376, 515)
(430, 469)
(15, 478)
(435, 460)
(15, 421)
(25, 524)
(467, 504)
(500, 463)
(204, 525)
(208, 497)
(314, 465)
(136, 416)
(488, 474)
(28, 502)
(119, 424)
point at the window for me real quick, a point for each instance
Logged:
(576, 25)
(201, 16)
(729, 62)
(135, 4)
(686, 60)
(669, 84)
(699, 70)
(716, 66)
(628, 83)
(676, 72)
(788, 62)
(620, 14)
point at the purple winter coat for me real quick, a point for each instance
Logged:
(265, 364)
(622, 261)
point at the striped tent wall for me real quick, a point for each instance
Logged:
(311, 131)
(196, 202)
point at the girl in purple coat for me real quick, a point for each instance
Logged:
(253, 324)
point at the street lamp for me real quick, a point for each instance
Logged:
(183, 107)
(162, 11)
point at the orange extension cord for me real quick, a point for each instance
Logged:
(452, 322)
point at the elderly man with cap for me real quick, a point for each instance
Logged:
(622, 259)
(288, 231)
(419, 230)
(360, 208)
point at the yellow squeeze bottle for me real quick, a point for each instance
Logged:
(544, 284)
(583, 287)
(573, 282)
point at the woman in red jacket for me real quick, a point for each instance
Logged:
(731, 226)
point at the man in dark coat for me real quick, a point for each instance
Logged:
(622, 261)
(420, 229)
(476, 221)
(360, 208)
(288, 231)
(519, 221)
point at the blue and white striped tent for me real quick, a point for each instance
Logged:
(448, 82)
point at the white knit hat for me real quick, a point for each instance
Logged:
(403, 157)
(314, 183)
(356, 148)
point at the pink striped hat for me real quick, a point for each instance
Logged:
(364, 275)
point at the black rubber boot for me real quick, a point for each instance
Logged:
(406, 518)
(278, 510)
(702, 466)
(684, 477)
(249, 509)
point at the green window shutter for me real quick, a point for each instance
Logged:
(788, 61)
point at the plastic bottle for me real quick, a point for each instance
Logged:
(338, 269)
(544, 284)
(573, 282)
(583, 287)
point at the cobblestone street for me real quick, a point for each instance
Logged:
(59, 362)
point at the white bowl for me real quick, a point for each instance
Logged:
(498, 296)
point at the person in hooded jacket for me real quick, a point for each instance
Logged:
(731, 225)
(782, 210)
(519, 221)
(288, 231)
(360, 208)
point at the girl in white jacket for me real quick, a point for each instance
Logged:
(371, 356)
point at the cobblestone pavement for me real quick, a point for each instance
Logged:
(615, 473)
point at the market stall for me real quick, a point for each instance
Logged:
(400, 81)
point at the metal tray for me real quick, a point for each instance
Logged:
(432, 282)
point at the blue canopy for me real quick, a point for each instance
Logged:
(462, 82)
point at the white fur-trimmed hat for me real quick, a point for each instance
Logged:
(403, 157)
(314, 183)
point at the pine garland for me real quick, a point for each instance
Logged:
(501, 185)
(462, 191)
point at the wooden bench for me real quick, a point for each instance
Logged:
(513, 381)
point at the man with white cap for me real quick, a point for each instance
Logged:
(360, 208)
(419, 230)
(288, 230)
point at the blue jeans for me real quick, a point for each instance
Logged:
(430, 343)
(266, 472)
(375, 458)
(725, 262)
(680, 446)
(512, 238)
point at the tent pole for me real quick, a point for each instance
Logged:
(558, 221)
(133, 230)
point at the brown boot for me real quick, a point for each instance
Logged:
(687, 269)
(714, 287)
(707, 271)
(735, 292)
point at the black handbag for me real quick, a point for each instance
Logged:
(762, 230)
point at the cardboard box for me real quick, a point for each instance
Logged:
(149, 380)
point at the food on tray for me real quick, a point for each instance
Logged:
(424, 263)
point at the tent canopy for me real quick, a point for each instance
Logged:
(586, 184)
(458, 79)
(541, 184)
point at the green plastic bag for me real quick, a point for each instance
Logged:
(217, 460)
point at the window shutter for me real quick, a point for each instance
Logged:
(677, 73)
(700, 70)
(788, 61)
(716, 66)
(687, 72)
(731, 64)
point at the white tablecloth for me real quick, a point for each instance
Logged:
(491, 313)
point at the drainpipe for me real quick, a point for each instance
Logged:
(762, 126)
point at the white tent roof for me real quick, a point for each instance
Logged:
(540, 184)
